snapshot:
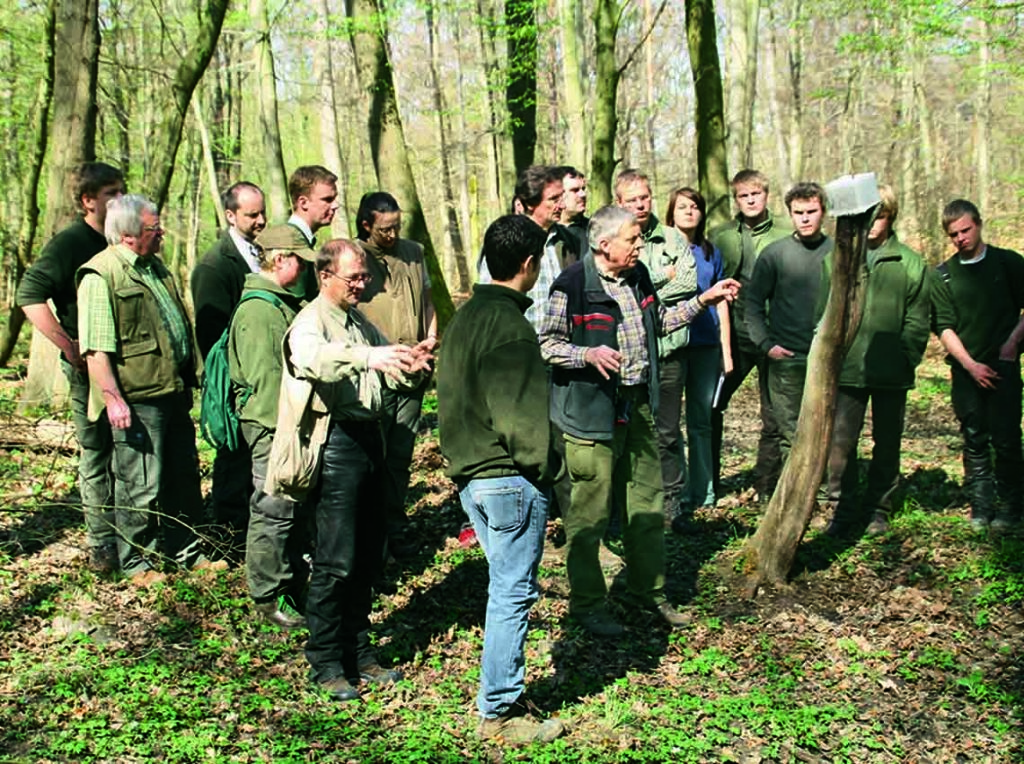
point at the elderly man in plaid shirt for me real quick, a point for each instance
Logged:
(599, 334)
(136, 338)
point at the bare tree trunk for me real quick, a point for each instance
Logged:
(742, 47)
(521, 90)
(775, 111)
(572, 84)
(709, 117)
(276, 187)
(982, 113)
(650, 101)
(76, 43)
(497, 149)
(606, 89)
(30, 185)
(770, 552)
(387, 141)
(208, 163)
(174, 106)
(452, 229)
(466, 205)
(323, 71)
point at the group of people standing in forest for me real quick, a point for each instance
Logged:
(560, 383)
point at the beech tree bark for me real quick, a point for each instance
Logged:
(521, 90)
(174, 106)
(709, 115)
(276, 186)
(769, 553)
(387, 141)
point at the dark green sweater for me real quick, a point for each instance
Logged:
(981, 302)
(492, 392)
(52, 276)
(781, 299)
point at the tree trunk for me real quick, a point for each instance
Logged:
(208, 162)
(769, 554)
(982, 113)
(30, 185)
(521, 90)
(323, 70)
(498, 149)
(276, 186)
(174, 105)
(775, 112)
(572, 84)
(453, 230)
(795, 55)
(709, 118)
(387, 141)
(466, 205)
(76, 43)
(606, 89)
(742, 46)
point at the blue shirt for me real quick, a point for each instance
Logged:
(704, 329)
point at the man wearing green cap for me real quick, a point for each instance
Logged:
(274, 565)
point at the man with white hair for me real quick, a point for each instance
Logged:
(600, 335)
(137, 341)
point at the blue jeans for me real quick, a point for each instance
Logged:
(509, 516)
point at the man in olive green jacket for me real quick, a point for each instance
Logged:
(741, 241)
(274, 565)
(879, 367)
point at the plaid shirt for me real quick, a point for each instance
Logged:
(96, 328)
(550, 268)
(630, 334)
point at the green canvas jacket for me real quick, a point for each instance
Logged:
(894, 325)
(255, 353)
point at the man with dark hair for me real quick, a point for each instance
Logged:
(879, 368)
(313, 191)
(977, 301)
(344, 359)
(492, 391)
(574, 206)
(741, 242)
(781, 305)
(398, 302)
(217, 283)
(137, 341)
(539, 193)
(600, 335)
(52, 277)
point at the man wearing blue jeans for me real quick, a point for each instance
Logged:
(492, 391)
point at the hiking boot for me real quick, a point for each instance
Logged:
(879, 524)
(280, 614)
(672, 617)
(103, 560)
(515, 728)
(373, 673)
(600, 624)
(339, 689)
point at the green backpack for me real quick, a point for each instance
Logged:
(218, 420)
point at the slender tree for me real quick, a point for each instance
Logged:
(276, 185)
(521, 91)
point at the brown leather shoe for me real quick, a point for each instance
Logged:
(273, 614)
(339, 689)
(374, 673)
(673, 617)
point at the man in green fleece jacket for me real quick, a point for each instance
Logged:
(492, 393)
(879, 366)
(781, 305)
(976, 312)
(741, 241)
(274, 565)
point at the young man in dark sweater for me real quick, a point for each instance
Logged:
(492, 392)
(781, 304)
(976, 312)
(52, 277)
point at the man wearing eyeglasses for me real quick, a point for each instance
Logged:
(137, 341)
(397, 302)
(333, 346)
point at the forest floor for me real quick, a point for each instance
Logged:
(905, 647)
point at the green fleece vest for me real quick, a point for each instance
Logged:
(144, 361)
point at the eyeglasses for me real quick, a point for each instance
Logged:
(358, 278)
(391, 230)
